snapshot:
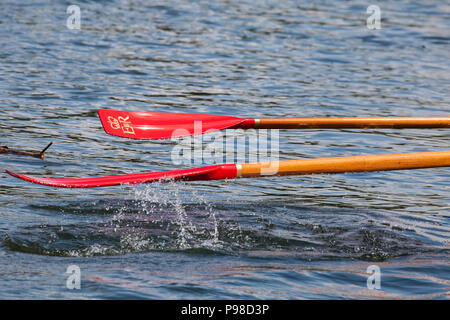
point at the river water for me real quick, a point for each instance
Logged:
(307, 237)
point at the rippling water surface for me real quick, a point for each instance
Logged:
(280, 238)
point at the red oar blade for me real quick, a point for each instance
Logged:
(158, 125)
(204, 173)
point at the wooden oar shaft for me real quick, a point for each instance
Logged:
(354, 123)
(346, 164)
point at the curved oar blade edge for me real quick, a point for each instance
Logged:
(204, 173)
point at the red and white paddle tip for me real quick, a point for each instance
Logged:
(159, 125)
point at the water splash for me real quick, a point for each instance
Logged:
(197, 228)
(180, 217)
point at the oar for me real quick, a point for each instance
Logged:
(157, 125)
(260, 169)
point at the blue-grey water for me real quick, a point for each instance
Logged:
(307, 237)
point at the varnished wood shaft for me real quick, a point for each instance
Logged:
(347, 164)
(355, 123)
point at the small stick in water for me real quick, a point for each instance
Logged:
(40, 155)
